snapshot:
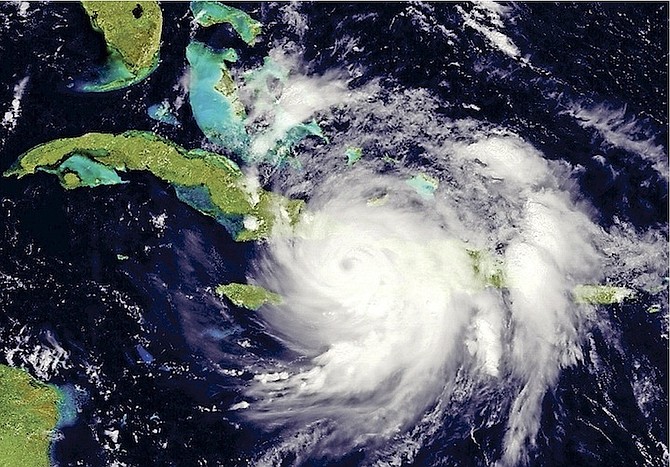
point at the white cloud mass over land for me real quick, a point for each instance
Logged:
(387, 318)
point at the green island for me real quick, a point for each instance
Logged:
(209, 182)
(210, 13)
(488, 270)
(490, 273)
(132, 33)
(28, 416)
(248, 296)
(601, 294)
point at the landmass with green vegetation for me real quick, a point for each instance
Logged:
(248, 296)
(210, 13)
(487, 269)
(132, 33)
(601, 294)
(490, 272)
(28, 416)
(207, 181)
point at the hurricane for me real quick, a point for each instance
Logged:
(408, 304)
(331, 235)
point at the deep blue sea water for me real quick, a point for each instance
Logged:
(590, 80)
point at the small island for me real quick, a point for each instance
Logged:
(247, 296)
(596, 294)
(210, 13)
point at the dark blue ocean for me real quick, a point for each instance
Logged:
(146, 338)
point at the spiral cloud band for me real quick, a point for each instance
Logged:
(390, 313)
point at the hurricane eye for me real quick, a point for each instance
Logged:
(347, 264)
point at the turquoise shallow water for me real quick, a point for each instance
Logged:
(90, 173)
(68, 405)
(213, 112)
(111, 76)
(58, 248)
